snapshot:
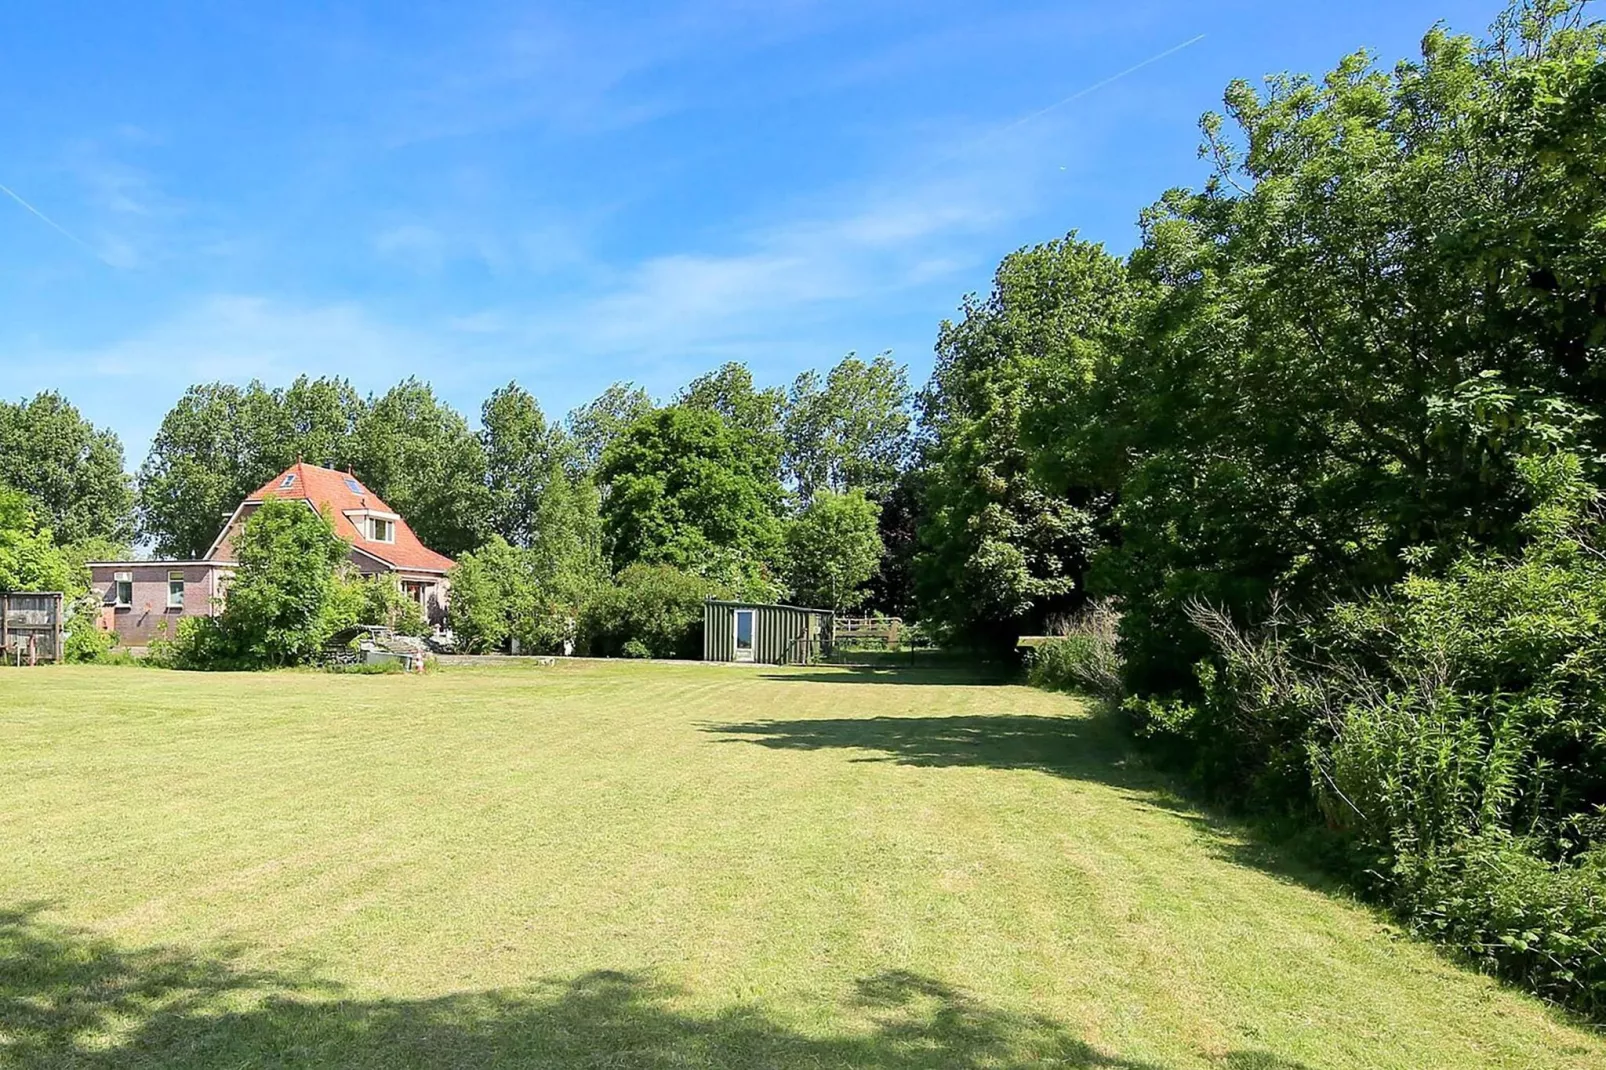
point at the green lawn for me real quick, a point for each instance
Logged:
(656, 866)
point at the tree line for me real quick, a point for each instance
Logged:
(724, 488)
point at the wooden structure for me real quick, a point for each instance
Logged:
(765, 634)
(866, 631)
(30, 627)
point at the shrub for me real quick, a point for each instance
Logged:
(1451, 731)
(1083, 656)
(502, 592)
(198, 643)
(1509, 911)
(278, 608)
(648, 611)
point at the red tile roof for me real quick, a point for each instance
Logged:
(328, 490)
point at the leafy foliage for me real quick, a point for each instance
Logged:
(419, 455)
(1000, 545)
(220, 442)
(1083, 653)
(70, 468)
(648, 611)
(284, 599)
(850, 433)
(30, 560)
(685, 489)
(755, 416)
(502, 592)
(833, 549)
(596, 424)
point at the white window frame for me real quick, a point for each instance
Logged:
(179, 573)
(118, 580)
(373, 529)
(288, 481)
(739, 652)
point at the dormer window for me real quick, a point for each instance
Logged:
(288, 481)
(381, 530)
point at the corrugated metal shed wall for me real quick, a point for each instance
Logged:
(775, 631)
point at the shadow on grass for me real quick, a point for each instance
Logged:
(1094, 746)
(68, 999)
(956, 675)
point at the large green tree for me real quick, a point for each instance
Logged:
(1391, 289)
(851, 430)
(1001, 544)
(685, 489)
(279, 599)
(756, 416)
(594, 425)
(71, 469)
(832, 550)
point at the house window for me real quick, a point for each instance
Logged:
(175, 590)
(381, 530)
(288, 481)
(353, 486)
(123, 590)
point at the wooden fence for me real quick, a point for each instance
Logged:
(867, 631)
(30, 627)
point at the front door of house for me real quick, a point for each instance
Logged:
(743, 627)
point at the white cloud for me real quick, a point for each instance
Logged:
(237, 337)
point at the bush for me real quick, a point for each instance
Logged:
(648, 611)
(280, 599)
(197, 643)
(1496, 901)
(502, 592)
(1084, 654)
(1451, 734)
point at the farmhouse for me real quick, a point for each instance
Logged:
(139, 597)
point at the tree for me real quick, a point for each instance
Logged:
(595, 425)
(1000, 546)
(502, 592)
(851, 432)
(419, 455)
(1389, 292)
(72, 470)
(754, 415)
(277, 611)
(833, 549)
(686, 490)
(525, 460)
(492, 591)
(30, 560)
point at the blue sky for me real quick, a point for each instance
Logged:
(570, 194)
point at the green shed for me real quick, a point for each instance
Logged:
(766, 634)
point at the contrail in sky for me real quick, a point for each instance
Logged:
(1096, 86)
(51, 223)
